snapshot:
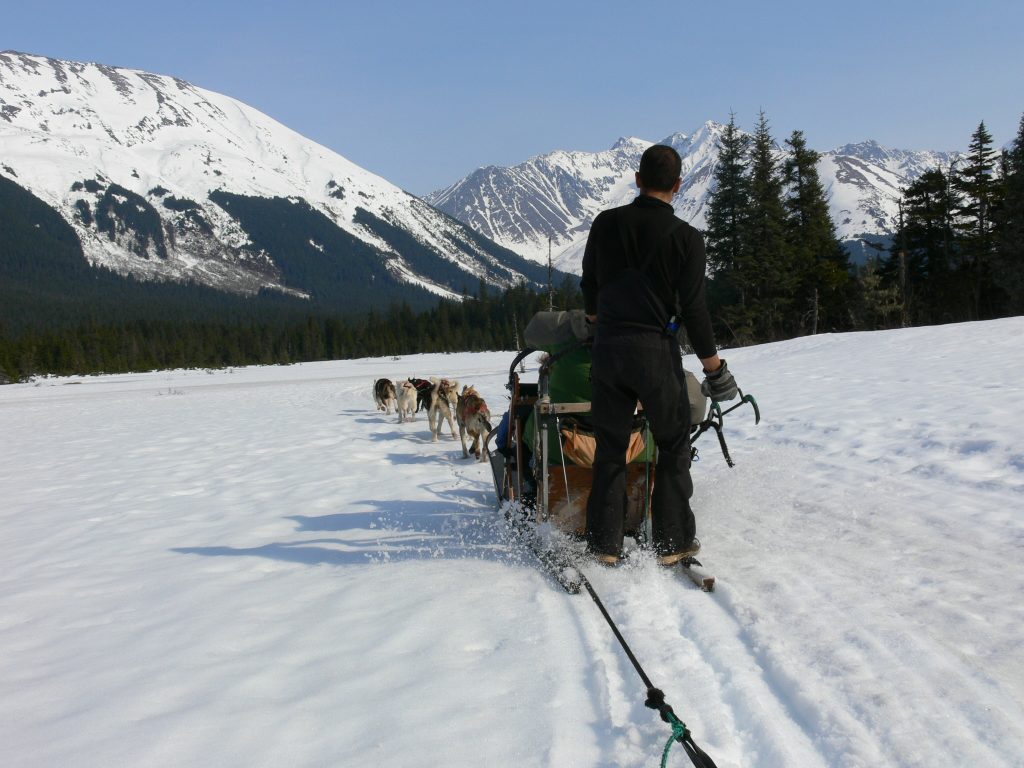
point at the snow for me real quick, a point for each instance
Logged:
(83, 121)
(863, 182)
(252, 567)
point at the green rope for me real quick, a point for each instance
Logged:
(679, 731)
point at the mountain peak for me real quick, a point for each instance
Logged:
(630, 142)
(557, 201)
(865, 150)
(165, 180)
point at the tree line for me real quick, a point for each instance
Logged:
(488, 320)
(778, 269)
(958, 253)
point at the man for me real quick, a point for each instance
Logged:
(643, 274)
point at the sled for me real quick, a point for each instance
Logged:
(538, 453)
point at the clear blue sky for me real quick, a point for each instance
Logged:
(425, 92)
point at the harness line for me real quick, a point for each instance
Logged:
(655, 696)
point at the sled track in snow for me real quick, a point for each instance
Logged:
(693, 649)
(800, 657)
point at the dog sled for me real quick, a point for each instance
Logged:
(541, 454)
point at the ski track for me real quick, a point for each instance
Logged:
(781, 717)
(854, 623)
(861, 683)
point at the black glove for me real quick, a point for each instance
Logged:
(719, 385)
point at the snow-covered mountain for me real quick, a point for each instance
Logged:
(557, 195)
(165, 180)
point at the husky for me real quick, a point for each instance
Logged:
(407, 405)
(474, 418)
(423, 389)
(384, 395)
(443, 398)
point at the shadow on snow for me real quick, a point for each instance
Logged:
(460, 524)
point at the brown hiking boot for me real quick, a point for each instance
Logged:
(688, 551)
(603, 557)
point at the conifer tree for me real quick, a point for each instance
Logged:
(1009, 259)
(818, 258)
(765, 270)
(879, 298)
(975, 181)
(728, 204)
(925, 242)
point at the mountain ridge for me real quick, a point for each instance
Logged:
(512, 205)
(135, 161)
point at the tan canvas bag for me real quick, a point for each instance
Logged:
(579, 447)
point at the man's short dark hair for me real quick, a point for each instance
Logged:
(660, 166)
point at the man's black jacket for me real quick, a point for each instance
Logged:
(646, 235)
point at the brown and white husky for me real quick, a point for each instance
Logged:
(443, 398)
(475, 419)
(384, 395)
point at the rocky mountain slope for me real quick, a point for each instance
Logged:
(164, 180)
(554, 197)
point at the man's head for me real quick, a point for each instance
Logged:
(660, 169)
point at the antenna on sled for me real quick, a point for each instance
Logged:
(515, 330)
(551, 290)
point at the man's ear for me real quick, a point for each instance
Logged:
(677, 186)
(639, 184)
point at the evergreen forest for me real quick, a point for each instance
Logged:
(776, 270)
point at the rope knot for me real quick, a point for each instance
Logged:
(656, 700)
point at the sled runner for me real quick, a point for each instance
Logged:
(542, 452)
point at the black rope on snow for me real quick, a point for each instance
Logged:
(655, 696)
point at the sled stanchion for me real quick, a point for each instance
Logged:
(721, 442)
(512, 368)
(715, 421)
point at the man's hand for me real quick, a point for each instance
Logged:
(719, 385)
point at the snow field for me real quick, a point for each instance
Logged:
(253, 567)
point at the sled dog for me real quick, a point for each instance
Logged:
(423, 389)
(474, 418)
(407, 402)
(384, 395)
(443, 399)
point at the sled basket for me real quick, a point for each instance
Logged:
(542, 451)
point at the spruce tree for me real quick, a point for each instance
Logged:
(975, 181)
(929, 251)
(1009, 256)
(765, 270)
(879, 299)
(818, 258)
(728, 201)
(728, 204)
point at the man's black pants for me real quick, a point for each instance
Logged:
(646, 367)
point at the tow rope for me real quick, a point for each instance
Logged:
(655, 696)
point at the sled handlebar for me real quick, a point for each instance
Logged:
(744, 399)
(714, 421)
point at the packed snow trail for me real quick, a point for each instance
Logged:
(253, 568)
